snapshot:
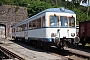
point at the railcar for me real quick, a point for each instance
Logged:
(84, 32)
(51, 27)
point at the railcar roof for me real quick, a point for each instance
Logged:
(50, 10)
(58, 10)
(55, 10)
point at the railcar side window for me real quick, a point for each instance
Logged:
(23, 26)
(43, 21)
(34, 24)
(19, 28)
(30, 25)
(64, 21)
(13, 30)
(53, 21)
(39, 23)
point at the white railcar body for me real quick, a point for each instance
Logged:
(47, 25)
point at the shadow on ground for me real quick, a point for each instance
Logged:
(32, 47)
(81, 48)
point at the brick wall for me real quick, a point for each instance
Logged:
(10, 15)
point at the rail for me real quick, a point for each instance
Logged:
(79, 53)
(10, 54)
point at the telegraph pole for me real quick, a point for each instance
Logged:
(56, 2)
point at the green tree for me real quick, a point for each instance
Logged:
(35, 7)
(80, 16)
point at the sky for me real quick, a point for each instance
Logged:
(85, 4)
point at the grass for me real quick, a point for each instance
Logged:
(87, 44)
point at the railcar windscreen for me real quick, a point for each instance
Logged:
(71, 22)
(54, 21)
(63, 21)
(67, 21)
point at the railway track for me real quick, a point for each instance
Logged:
(71, 54)
(66, 54)
(79, 53)
(10, 54)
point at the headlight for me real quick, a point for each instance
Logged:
(72, 34)
(76, 39)
(53, 34)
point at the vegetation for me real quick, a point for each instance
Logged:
(35, 6)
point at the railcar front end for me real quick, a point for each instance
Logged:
(62, 28)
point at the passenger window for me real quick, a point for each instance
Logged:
(43, 21)
(30, 25)
(13, 30)
(39, 23)
(34, 24)
(23, 26)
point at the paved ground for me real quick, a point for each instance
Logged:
(27, 52)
